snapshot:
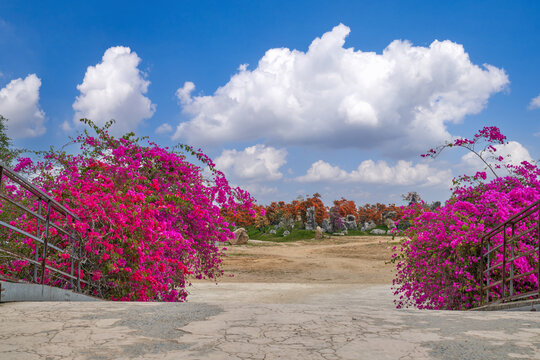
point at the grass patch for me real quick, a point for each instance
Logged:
(297, 234)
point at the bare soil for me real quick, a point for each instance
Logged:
(337, 260)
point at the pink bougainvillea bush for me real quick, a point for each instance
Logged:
(438, 264)
(148, 217)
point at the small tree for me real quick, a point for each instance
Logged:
(7, 152)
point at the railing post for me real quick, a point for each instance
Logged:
(79, 267)
(538, 241)
(72, 238)
(512, 262)
(503, 271)
(38, 234)
(488, 266)
(45, 242)
(481, 270)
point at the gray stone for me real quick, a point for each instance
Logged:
(318, 233)
(286, 232)
(310, 216)
(336, 221)
(350, 225)
(240, 237)
(326, 226)
(377, 232)
(273, 231)
(389, 223)
(369, 225)
(285, 223)
(338, 234)
(388, 215)
(351, 218)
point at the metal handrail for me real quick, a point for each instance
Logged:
(41, 239)
(505, 268)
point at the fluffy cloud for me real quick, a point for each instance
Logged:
(164, 129)
(255, 163)
(371, 172)
(513, 153)
(114, 89)
(535, 103)
(19, 103)
(401, 99)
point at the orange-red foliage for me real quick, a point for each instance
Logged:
(296, 210)
(345, 207)
(321, 212)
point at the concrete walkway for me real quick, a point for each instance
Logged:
(264, 321)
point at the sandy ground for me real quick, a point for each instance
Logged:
(337, 260)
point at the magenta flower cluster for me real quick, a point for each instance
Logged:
(148, 216)
(438, 264)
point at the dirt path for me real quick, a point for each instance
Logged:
(337, 260)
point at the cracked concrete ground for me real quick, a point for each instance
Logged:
(326, 299)
(264, 321)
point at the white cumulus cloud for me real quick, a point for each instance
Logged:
(400, 99)
(114, 89)
(535, 103)
(512, 152)
(371, 172)
(164, 129)
(19, 103)
(255, 163)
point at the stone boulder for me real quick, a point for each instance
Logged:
(286, 232)
(310, 216)
(318, 233)
(369, 225)
(326, 226)
(350, 222)
(240, 237)
(390, 224)
(377, 232)
(272, 231)
(388, 215)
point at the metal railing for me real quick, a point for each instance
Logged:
(499, 274)
(43, 207)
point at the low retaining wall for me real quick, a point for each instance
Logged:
(34, 292)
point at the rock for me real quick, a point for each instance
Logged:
(326, 226)
(351, 225)
(369, 225)
(338, 234)
(285, 223)
(377, 232)
(351, 218)
(389, 223)
(272, 231)
(336, 221)
(318, 233)
(286, 232)
(388, 215)
(310, 216)
(240, 237)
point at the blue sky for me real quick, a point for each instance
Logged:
(289, 98)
